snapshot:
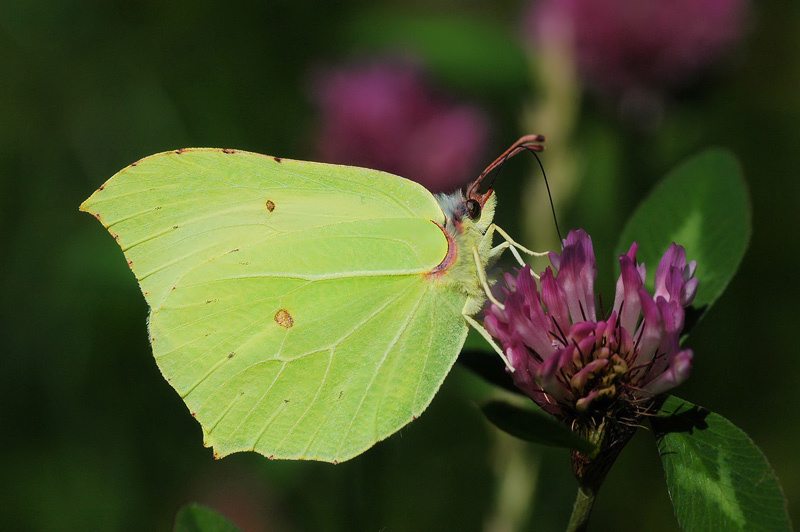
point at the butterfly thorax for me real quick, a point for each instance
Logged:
(466, 233)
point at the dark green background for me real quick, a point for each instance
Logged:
(94, 439)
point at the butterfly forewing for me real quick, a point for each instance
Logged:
(173, 211)
(291, 305)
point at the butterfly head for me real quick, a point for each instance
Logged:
(465, 212)
(474, 210)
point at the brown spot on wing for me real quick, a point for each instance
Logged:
(228, 151)
(270, 205)
(284, 319)
(277, 159)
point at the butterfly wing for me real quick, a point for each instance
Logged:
(290, 302)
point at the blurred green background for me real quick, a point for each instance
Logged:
(94, 439)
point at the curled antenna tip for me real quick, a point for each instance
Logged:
(531, 138)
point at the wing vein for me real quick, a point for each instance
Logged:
(394, 341)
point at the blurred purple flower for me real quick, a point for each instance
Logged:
(384, 115)
(646, 45)
(579, 367)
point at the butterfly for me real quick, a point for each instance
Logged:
(302, 310)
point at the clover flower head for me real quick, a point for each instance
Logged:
(626, 44)
(584, 367)
(387, 115)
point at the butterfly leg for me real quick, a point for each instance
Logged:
(491, 254)
(510, 244)
(481, 270)
(517, 245)
(470, 308)
(488, 337)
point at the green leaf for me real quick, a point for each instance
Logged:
(702, 205)
(196, 518)
(717, 478)
(534, 425)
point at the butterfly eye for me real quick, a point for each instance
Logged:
(473, 209)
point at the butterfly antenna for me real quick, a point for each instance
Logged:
(549, 195)
(529, 143)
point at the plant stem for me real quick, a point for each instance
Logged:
(582, 509)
